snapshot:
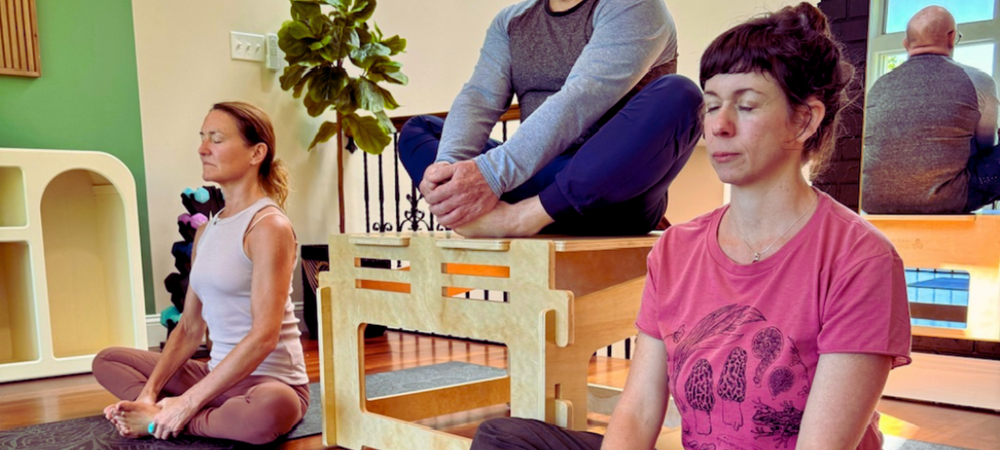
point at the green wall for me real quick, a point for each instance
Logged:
(87, 97)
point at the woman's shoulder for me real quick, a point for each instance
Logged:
(269, 222)
(845, 228)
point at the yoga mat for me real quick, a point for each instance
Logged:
(95, 432)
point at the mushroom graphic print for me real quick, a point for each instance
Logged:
(733, 388)
(698, 391)
(767, 345)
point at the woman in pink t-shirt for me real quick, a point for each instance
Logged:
(773, 321)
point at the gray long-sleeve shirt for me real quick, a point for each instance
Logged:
(568, 71)
(923, 121)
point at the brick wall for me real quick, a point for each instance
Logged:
(849, 22)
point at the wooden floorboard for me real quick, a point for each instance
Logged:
(54, 399)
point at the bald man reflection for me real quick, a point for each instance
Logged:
(931, 128)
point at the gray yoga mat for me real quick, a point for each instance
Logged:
(93, 433)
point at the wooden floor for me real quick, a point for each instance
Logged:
(55, 399)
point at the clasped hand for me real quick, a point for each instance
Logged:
(457, 193)
(175, 412)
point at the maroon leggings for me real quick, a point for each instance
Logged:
(256, 410)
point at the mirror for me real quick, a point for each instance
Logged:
(919, 122)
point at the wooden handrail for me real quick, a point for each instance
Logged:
(512, 113)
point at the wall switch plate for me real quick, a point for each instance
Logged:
(246, 46)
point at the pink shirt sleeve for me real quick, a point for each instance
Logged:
(866, 310)
(647, 321)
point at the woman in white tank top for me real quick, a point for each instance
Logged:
(255, 387)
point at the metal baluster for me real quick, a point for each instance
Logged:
(395, 150)
(381, 197)
(367, 215)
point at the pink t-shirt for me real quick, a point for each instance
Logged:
(743, 341)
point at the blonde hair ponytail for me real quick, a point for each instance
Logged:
(255, 127)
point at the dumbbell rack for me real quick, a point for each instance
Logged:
(70, 265)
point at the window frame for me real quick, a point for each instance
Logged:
(881, 44)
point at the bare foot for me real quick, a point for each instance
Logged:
(110, 411)
(133, 418)
(521, 219)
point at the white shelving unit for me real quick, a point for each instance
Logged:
(70, 261)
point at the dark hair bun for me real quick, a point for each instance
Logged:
(796, 47)
(811, 18)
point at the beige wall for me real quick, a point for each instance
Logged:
(184, 66)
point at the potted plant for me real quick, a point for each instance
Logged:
(317, 43)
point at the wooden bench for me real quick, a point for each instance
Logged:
(968, 243)
(566, 297)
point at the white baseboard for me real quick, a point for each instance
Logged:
(950, 380)
(156, 333)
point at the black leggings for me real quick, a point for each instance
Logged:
(529, 434)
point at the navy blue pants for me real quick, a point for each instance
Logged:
(616, 182)
(984, 179)
(525, 434)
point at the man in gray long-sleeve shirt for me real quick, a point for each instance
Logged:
(930, 129)
(603, 132)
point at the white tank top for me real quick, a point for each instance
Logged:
(221, 276)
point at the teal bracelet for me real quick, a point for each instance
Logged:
(152, 427)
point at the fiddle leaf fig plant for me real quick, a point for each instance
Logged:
(316, 44)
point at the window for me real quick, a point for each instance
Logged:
(977, 21)
(898, 12)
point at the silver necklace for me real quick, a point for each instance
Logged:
(756, 254)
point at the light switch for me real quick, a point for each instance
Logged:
(246, 46)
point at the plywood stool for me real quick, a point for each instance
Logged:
(961, 242)
(566, 297)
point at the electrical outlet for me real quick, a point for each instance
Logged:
(246, 46)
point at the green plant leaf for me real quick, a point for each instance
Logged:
(291, 76)
(396, 45)
(297, 92)
(291, 46)
(378, 32)
(369, 96)
(390, 101)
(367, 133)
(368, 54)
(320, 26)
(339, 5)
(346, 102)
(385, 122)
(327, 84)
(396, 78)
(299, 30)
(364, 37)
(326, 131)
(362, 11)
(320, 44)
(304, 9)
(314, 108)
(344, 39)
